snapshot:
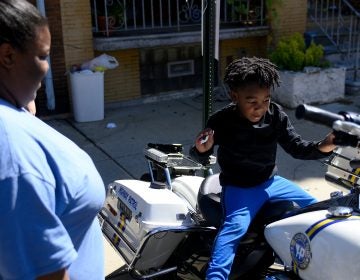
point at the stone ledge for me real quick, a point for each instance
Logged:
(167, 39)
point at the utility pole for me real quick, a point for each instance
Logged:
(210, 50)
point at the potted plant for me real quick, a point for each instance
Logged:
(116, 10)
(112, 14)
(306, 77)
(249, 11)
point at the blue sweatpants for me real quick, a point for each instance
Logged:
(240, 207)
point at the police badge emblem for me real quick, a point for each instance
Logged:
(300, 250)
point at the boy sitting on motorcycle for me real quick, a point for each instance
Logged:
(247, 132)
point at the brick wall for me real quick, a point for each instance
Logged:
(52, 10)
(157, 75)
(123, 82)
(291, 17)
(232, 49)
(77, 36)
(70, 25)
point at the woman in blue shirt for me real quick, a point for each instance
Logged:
(50, 190)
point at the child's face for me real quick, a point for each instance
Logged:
(252, 101)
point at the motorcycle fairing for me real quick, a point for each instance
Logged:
(145, 224)
(313, 245)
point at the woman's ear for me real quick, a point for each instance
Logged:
(7, 55)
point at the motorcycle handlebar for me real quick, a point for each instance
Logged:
(345, 125)
(317, 115)
(321, 116)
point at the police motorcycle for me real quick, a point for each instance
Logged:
(163, 226)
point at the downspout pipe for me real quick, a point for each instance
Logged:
(49, 86)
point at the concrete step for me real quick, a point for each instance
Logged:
(320, 38)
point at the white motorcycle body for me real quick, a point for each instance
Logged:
(149, 221)
(317, 246)
(146, 222)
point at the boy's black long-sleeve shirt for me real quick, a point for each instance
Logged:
(247, 152)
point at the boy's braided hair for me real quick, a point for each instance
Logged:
(251, 70)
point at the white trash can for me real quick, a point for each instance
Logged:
(87, 89)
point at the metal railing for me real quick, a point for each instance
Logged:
(136, 17)
(340, 22)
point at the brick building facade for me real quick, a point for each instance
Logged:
(73, 43)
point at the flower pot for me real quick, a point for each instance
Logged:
(313, 85)
(101, 20)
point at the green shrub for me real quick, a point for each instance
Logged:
(291, 54)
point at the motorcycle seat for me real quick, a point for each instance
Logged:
(210, 207)
(209, 200)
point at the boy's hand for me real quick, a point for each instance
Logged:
(327, 145)
(205, 140)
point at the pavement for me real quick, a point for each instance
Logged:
(116, 143)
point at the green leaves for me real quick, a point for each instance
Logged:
(291, 54)
(313, 55)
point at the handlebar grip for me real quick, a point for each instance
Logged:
(317, 115)
(351, 116)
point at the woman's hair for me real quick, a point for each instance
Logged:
(18, 22)
(249, 71)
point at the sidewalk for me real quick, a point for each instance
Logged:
(118, 152)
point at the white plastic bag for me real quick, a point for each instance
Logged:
(100, 63)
